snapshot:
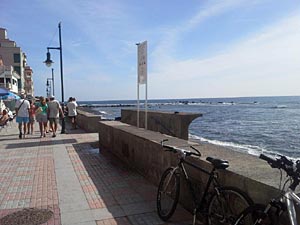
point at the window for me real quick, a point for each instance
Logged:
(17, 58)
(8, 80)
(1, 80)
(17, 69)
(19, 84)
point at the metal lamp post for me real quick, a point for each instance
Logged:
(48, 63)
(48, 89)
(50, 86)
(53, 81)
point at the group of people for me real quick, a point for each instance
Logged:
(44, 111)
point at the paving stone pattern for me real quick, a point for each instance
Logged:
(27, 180)
(69, 176)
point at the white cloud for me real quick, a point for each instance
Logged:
(172, 35)
(267, 63)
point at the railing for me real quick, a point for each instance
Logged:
(7, 85)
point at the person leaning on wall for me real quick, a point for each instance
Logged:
(72, 111)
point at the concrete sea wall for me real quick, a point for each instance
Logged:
(87, 120)
(141, 150)
(172, 123)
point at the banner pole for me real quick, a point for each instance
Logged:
(146, 107)
(138, 90)
(146, 88)
(138, 106)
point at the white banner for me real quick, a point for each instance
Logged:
(142, 63)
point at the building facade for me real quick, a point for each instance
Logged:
(28, 87)
(9, 78)
(12, 56)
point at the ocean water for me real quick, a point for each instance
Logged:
(252, 125)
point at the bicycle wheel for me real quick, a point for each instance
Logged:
(254, 215)
(168, 193)
(225, 205)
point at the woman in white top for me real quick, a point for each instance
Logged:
(72, 112)
(22, 110)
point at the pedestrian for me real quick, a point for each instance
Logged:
(31, 117)
(41, 113)
(72, 111)
(22, 111)
(3, 117)
(54, 109)
(46, 126)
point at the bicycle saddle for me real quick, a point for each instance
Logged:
(218, 163)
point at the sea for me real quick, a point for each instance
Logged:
(253, 125)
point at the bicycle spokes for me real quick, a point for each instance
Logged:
(226, 206)
(168, 194)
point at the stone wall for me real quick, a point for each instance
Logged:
(172, 123)
(141, 150)
(88, 121)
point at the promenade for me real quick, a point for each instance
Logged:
(65, 180)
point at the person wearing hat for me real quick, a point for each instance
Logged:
(22, 111)
(54, 109)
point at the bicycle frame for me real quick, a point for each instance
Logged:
(290, 198)
(211, 178)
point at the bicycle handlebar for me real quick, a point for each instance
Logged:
(273, 163)
(281, 163)
(176, 149)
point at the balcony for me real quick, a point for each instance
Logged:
(7, 85)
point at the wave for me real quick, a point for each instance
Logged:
(250, 149)
(279, 107)
(106, 105)
(103, 112)
(176, 103)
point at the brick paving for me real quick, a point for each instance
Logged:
(69, 176)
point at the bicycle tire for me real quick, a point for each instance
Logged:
(168, 193)
(252, 214)
(225, 205)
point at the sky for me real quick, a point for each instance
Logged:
(196, 48)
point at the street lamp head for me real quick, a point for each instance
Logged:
(48, 61)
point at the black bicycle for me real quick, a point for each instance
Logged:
(219, 204)
(258, 214)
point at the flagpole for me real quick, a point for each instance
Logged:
(138, 90)
(146, 107)
(146, 90)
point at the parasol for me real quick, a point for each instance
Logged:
(7, 95)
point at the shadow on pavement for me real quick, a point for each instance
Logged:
(109, 183)
(40, 143)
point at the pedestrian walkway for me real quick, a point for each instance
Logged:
(65, 180)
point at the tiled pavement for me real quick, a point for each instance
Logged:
(69, 176)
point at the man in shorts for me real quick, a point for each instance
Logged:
(22, 111)
(54, 109)
(72, 111)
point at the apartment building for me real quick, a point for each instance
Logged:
(12, 56)
(28, 81)
(9, 78)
